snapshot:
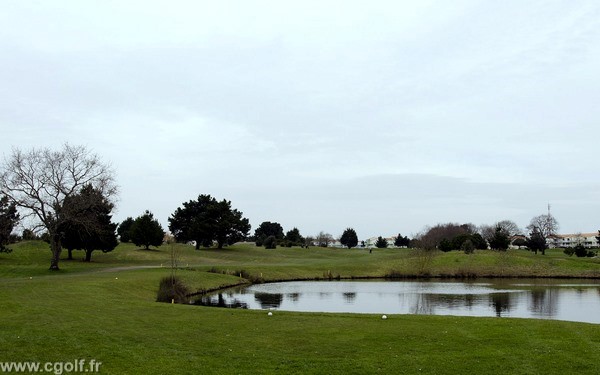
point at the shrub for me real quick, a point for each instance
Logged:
(270, 242)
(569, 251)
(580, 251)
(468, 247)
(171, 288)
(445, 245)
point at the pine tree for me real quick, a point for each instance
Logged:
(349, 238)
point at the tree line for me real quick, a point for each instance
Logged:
(69, 194)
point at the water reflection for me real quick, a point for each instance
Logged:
(501, 303)
(544, 302)
(421, 305)
(578, 301)
(268, 300)
(219, 301)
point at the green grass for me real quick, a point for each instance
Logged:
(105, 310)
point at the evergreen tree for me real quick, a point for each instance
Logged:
(500, 240)
(445, 245)
(146, 231)
(294, 238)
(401, 241)
(89, 226)
(349, 238)
(536, 241)
(381, 243)
(206, 220)
(123, 230)
(478, 241)
(229, 225)
(8, 219)
(267, 229)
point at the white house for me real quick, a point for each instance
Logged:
(588, 240)
(370, 242)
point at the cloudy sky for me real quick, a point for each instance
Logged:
(385, 116)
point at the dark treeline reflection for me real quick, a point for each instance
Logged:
(541, 302)
(268, 300)
(349, 297)
(544, 302)
(219, 301)
(427, 304)
(501, 302)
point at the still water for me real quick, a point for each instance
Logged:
(572, 300)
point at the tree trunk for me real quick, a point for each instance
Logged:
(88, 255)
(70, 257)
(56, 248)
(197, 244)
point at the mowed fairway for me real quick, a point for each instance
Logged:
(106, 311)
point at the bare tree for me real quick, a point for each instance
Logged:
(487, 232)
(324, 239)
(509, 227)
(39, 180)
(546, 224)
(579, 239)
(431, 237)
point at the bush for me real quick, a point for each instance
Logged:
(580, 251)
(468, 247)
(270, 242)
(569, 251)
(171, 288)
(445, 245)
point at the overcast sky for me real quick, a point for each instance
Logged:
(384, 116)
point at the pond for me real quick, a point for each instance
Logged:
(571, 300)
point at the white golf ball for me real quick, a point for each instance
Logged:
(270, 313)
(384, 317)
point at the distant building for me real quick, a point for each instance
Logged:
(336, 243)
(516, 240)
(370, 242)
(588, 240)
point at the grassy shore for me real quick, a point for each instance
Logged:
(105, 310)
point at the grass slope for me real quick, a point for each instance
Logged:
(106, 311)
